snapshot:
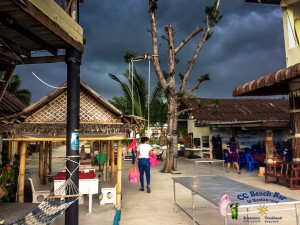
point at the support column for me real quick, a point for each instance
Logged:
(41, 161)
(21, 184)
(50, 158)
(269, 144)
(73, 106)
(112, 160)
(294, 100)
(119, 175)
(108, 160)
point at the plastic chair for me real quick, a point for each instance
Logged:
(242, 160)
(38, 196)
(251, 163)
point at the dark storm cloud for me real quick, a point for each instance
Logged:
(246, 44)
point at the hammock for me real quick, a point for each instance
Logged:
(53, 205)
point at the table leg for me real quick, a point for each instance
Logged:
(193, 207)
(174, 196)
(297, 215)
(90, 202)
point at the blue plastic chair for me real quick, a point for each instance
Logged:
(242, 160)
(251, 163)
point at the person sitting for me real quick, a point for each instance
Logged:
(82, 153)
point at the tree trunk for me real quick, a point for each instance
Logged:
(172, 126)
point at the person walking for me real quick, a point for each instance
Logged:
(142, 156)
(232, 154)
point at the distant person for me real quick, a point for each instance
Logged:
(133, 156)
(82, 153)
(142, 156)
(233, 154)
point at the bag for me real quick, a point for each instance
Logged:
(153, 160)
(134, 175)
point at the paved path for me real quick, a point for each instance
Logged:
(141, 208)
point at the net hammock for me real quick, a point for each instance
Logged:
(54, 205)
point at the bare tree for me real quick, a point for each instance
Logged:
(168, 83)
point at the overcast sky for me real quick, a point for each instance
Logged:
(248, 43)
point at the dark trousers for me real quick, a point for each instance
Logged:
(144, 167)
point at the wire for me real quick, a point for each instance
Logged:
(29, 69)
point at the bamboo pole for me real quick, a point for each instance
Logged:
(112, 160)
(50, 157)
(105, 138)
(101, 146)
(45, 162)
(107, 159)
(41, 164)
(119, 175)
(9, 147)
(21, 183)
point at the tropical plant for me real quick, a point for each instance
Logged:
(8, 183)
(13, 87)
(140, 97)
(121, 103)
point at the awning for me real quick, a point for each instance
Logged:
(276, 83)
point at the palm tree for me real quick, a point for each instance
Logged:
(13, 87)
(140, 96)
(121, 103)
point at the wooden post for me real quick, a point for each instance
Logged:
(41, 164)
(119, 175)
(45, 162)
(108, 158)
(269, 144)
(112, 160)
(101, 146)
(50, 157)
(21, 184)
(294, 102)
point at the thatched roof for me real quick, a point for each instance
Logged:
(47, 117)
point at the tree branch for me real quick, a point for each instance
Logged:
(188, 38)
(170, 32)
(209, 22)
(203, 78)
(155, 48)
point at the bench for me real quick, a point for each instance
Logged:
(287, 171)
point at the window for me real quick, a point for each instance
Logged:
(205, 141)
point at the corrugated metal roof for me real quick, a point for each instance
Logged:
(238, 110)
(10, 104)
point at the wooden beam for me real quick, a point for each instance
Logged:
(120, 137)
(43, 59)
(19, 50)
(12, 24)
(10, 54)
(34, 9)
(6, 78)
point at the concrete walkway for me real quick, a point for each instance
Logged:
(157, 207)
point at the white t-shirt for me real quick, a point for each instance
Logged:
(144, 150)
